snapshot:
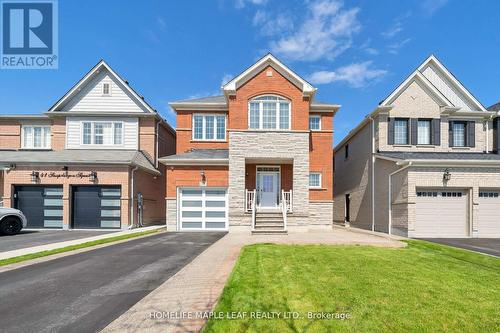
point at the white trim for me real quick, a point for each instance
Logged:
(203, 133)
(320, 179)
(268, 60)
(46, 130)
(96, 70)
(452, 78)
(261, 113)
(416, 76)
(315, 116)
(109, 89)
(92, 133)
(279, 181)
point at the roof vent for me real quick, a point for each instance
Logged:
(269, 73)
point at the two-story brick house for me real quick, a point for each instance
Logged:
(259, 157)
(91, 161)
(424, 163)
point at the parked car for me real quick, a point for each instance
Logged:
(12, 221)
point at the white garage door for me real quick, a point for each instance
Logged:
(441, 214)
(488, 221)
(202, 208)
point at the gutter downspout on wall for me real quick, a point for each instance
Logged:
(390, 193)
(157, 138)
(131, 226)
(373, 173)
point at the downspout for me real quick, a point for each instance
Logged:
(156, 149)
(131, 226)
(390, 193)
(373, 173)
(488, 134)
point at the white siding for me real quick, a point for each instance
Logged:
(91, 99)
(446, 87)
(130, 133)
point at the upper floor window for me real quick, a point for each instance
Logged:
(424, 132)
(315, 123)
(102, 133)
(269, 112)
(459, 132)
(106, 89)
(209, 127)
(400, 131)
(36, 137)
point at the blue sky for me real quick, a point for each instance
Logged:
(355, 52)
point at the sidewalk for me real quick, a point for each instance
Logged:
(197, 287)
(58, 245)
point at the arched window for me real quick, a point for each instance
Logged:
(269, 113)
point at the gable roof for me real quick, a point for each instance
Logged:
(494, 107)
(438, 80)
(101, 65)
(268, 60)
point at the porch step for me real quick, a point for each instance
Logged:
(269, 226)
(269, 232)
(267, 222)
(269, 218)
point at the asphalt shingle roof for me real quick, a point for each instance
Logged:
(199, 154)
(220, 99)
(441, 156)
(494, 107)
(78, 156)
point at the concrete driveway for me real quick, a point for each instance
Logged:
(86, 291)
(483, 245)
(29, 238)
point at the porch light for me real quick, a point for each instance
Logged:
(35, 177)
(446, 175)
(93, 176)
(203, 178)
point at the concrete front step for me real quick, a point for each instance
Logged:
(269, 232)
(270, 227)
(268, 219)
(270, 223)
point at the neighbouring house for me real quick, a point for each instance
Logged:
(425, 163)
(90, 161)
(258, 157)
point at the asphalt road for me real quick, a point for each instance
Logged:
(86, 291)
(489, 246)
(29, 238)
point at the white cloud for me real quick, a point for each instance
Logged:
(356, 75)
(242, 3)
(325, 33)
(431, 6)
(393, 31)
(395, 47)
(270, 25)
(366, 46)
(226, 78)
(161, 23)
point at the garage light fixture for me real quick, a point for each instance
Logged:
(446, 175)
(35, 177)
(93, 176)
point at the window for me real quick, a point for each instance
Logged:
(268, 113)
(459, 134)
(315, 123)
(36, 137)
(315, 180)
(488, 194)
(209, 127)
(424, 132)
(106, 89)
(346, 151)
(102, 133)
(401, 132)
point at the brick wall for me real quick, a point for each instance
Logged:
(10, 134)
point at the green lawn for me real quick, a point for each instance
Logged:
(31, 256)
(422, 288)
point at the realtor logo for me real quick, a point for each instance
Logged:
(29, 35)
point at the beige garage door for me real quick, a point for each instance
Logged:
(488, 221)
(441, 214)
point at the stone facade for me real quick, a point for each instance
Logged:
(270, 146)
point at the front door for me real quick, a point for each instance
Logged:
(268, 189)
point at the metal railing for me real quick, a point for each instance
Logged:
(250, 205)
(287, 200)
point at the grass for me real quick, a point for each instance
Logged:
(31, 256)
(422, 288)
